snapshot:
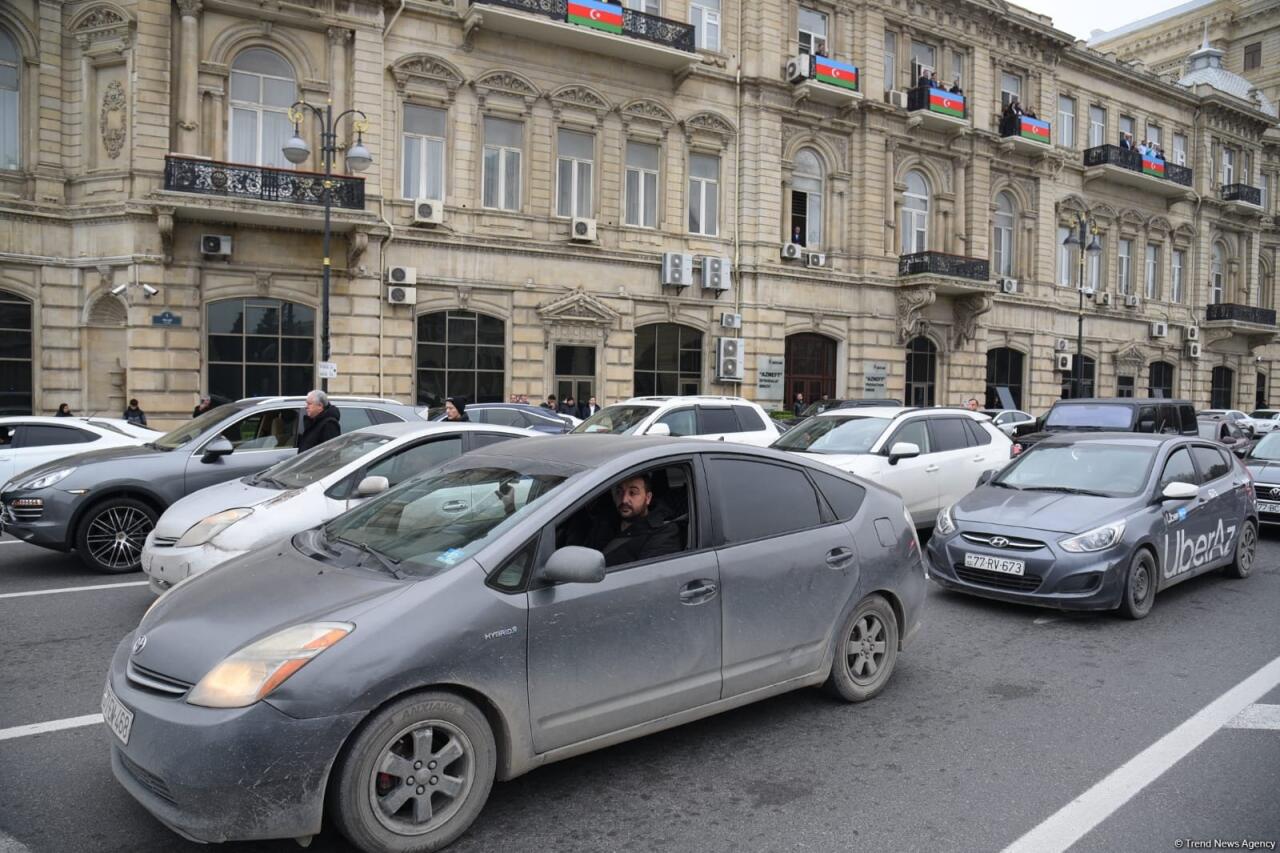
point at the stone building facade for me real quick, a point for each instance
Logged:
(877, 244)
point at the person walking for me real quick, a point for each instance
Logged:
(203, 406)
(798, 406)
(455, 409)
(64, 411)
(972, 405)
(590, 409)
(321, 422)
(551, 403)
(135, 415)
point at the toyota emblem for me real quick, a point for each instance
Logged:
(995, 542)
(140, 643)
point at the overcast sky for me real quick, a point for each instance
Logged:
(1081, 17)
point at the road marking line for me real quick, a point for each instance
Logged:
(71, 589)
(11, 542)
(1257, 717)
(50, 726)
(1078, 817)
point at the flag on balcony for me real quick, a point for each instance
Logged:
(1034, 128)
(597, 15)
(942, 101)
(1152, 166)
(836, 73)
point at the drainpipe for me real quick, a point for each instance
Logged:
(394, 18)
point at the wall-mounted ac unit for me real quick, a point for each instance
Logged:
(583, 230)
(398, 295)
(1062, 361)
(716, 273)
(1193, 349)
(1008, 285)
(1104, 298)
(815, 259)
(402, 275)
(1159, 329)
(798, 68)
(791, 251)
(1061, 345)
(730, 320)
(1132, 300)
(677, 269)
(427, 211)
(729, 360)
(215, 245)
(896, 98)
(1192, 333)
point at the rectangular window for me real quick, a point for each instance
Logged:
(1066, 270)
(503, 140)
(1253, 56)
(424, 152)
(1151, 282)
(1126, 127)
(704, 194)
(642, 185)
(811, 31)
(1066, 121)
(9, 112)
(1266, 192)
(1097, 126)
(1124, 386)
(1010, 88)
(649, 7)
(1124, 272)
(705, 17)
(1228, 165)
(957, 67)
(575, 154)
(1180, 149)
(890, 60)
(1154, 134)
(923, 60)
(1246, 167)
(1175, 277)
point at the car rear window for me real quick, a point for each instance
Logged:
(757, 500)
(712, 421)
(748, 419)
(948, 434)
(1090, 415)
(843, 496)
(44, 435)
(1213, 462)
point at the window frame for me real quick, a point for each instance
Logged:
(1177, 274)
(827, 516)
(16, 163)
(1007, 95)
(423, 158)
(576, 167)
(700, 33)
(814, 36)
(916, 218)
(1124, 265)
(644, 200)
(504, 152)
(1067, 122)
(812, 231)
(259, 109)
(1097, 129)
(704, 186)
(1003, 247)
(1151, 271)
(1252, 57)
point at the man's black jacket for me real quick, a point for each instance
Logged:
(319, 429)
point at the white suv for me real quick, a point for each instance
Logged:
(712, 418)
(932, 457)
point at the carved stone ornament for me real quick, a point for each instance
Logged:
(580, 97)
(506, 83)
(464, 297)
(578, 308)
(709, 124)
(112, 120)
(102, 28)
(190, 8)
(164, 225)
(422, 71)
(911, 304)
(1130, 360)
(967, 310)
(262, 281)
(646, 110)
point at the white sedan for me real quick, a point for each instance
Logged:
(214, 525)
(932, 457)
(28, 441)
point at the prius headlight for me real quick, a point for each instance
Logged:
(44, 481)
(1097, 539)
(205, 529)
(259, 668)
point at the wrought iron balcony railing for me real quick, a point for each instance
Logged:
(1242, 192)
(236, 180)
(939, 263)
(1240, 314)
(637, 25)
(1131, 159)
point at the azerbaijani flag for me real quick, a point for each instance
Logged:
(1034, 128)
(941, 101)
(592, 13)
(1152, 166)
(836, 73)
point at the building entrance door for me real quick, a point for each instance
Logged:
(810, 367)
(575, 373)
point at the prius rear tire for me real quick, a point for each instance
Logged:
(866, 651)
(1139, 586)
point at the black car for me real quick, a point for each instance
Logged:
(1263, 462)
(1110, 414)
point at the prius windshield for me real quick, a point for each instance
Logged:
(617, 420)
(1106, 470)
(195, 428)
(828, 434)
(319, 462)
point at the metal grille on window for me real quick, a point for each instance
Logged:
(461, 354)
(260, 348)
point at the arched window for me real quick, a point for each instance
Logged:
(260, 348)
(1004, 370)
(806, 199)
(1002, 235)
(915, 214)
(668, 360)
(1222, 388)
(1079, 381)
(10, 103)
(1217, 276)
(263, 88)
(461, 354)
(922, 372)
(15, 355)
(1160, 379)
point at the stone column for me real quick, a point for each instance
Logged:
(189, 77)
(338, 40)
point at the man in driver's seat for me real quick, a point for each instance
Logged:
(641, 530)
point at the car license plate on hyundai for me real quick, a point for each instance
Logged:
(117, 717)
(994, 564)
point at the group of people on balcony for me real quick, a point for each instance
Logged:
(1015, 108)
(1147, 148)
(931, 81)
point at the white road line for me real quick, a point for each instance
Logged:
(71, 589)
(1257, 717)
(10, 542)
(50, 726)
(1078, 817)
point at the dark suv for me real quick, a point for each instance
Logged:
(1113, 414)
(104, 503)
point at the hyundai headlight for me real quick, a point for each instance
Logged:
(259, 668)
(946, 523)
(205, 529)
(1097, 539)
(44, 481)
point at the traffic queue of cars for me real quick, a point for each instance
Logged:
(376, 630)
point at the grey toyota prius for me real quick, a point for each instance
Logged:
(525, 603)
(1099, 521)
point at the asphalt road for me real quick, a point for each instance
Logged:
(997, 717)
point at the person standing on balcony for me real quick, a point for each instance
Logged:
(955, 88)
(1126, 141)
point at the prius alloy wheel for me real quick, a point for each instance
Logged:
(867, 651)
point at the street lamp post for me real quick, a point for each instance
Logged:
(1082, 229)
(297, 151)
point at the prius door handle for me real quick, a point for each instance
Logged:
(696, 592)
(839, 557)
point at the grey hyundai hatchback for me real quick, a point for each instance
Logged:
(525, 603)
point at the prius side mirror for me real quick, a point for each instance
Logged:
(1179, 492)
(216, 449)
(572, 564)
(903, 450)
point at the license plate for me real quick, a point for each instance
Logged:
(994, 564)
(1267, 506)
(117, 717)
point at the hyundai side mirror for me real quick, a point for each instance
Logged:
(903, 450)
(658, 429)
(216, 449)
(572, 564)
(370, 486)
(1180, 492)
(986, 476)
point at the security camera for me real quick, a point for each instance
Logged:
(119, 289)
(149, 290)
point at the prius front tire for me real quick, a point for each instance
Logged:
(866, 650)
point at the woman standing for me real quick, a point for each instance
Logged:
(135, 415)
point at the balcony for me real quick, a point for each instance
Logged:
(954, 273)
(937, 109)
(824, 80)
(1243, 197)
(642, 38)
(1029, 135)
(1131, 169)
(1256, 325)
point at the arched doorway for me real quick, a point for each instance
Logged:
(260, 348)
(668, 360)
(810, 367)
(1083, 371)
(16, 359)
(1004, 370)
(461, 354)
(922, 372)
(1222, 388)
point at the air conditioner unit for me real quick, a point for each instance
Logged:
(716, 273)
(584, 230)
(798, 68)
(1132, 300)
(398, 295)
(405, 276)
(791, 251)
(1191, 333)
(1062, 361)
(677, 269)
(1104, 298)
(896, 98)
(215, 244)
(1193, 349)
(1061, 345)
(731, 321)
(1008, 285)
(729, 360)
(815, 259)
(427, 211)
(1159, 329)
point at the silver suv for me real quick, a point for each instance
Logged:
(103, 503)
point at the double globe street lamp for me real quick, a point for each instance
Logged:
(296, 151)
(1083, 228)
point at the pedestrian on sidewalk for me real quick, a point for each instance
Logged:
(134, 415)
